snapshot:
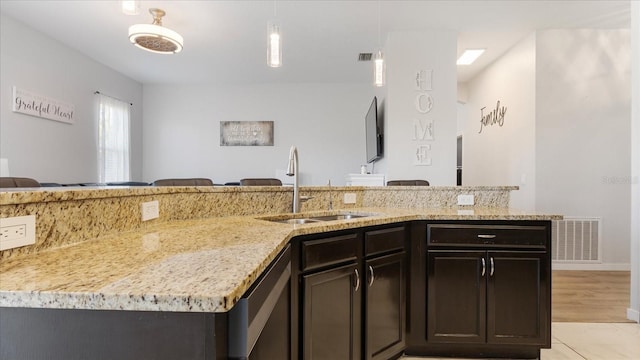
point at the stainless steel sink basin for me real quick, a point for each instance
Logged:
(309, 219)
(338, 217)
(297, 221)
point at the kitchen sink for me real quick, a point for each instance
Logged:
(309, 219)
(338, 217)
(296, 221)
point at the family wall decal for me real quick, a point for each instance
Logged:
(496, 116)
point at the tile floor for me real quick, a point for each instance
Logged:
(588, 341)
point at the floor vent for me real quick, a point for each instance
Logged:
(576, 240)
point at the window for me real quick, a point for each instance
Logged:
(113, 139)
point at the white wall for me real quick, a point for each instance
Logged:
(582, 131)
(633, 313)
(47, 150)
(503, 155)
(407, 53)
(325, 122)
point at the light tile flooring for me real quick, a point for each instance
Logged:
(590, 341)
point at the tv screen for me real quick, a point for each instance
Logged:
(373, 129)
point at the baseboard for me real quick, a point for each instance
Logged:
(633, 315)
(592, 267)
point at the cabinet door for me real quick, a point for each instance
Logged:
(517, 298)
(456, 293)
(332, 314)
(385, 306)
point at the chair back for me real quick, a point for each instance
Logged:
(407, 183)
(260, 182)
(18, 182)
(184, 182)
(128, 183)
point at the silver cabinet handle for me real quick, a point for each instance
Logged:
(357, 280)
(484, 267)
(492, 266)
(486, 236)
(371, 277)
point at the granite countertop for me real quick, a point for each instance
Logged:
(190, 265)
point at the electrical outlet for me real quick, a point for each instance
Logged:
(465, 200)
(349, 198)
(150, 210)
(17, 231)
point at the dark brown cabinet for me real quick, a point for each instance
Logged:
(385, 329)
(385, 292)
(493, 297)
(517, 298)
(457, 297)
(353, 295)
(332, 314)
(483, 288)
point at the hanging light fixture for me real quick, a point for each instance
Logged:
(379, 67)
(154, 37)
(274, 42)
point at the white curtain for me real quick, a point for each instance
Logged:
(113, 139)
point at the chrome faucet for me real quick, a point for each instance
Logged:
(292, 170)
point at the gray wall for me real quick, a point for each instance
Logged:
(503, 154)
(583, 112)
(633, 312)
(324, 121)
(407, 53)
(565, 137)
(47, 150)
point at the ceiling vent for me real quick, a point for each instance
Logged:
(365, 56)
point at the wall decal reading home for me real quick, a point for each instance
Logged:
(496, 116)
(29, 103)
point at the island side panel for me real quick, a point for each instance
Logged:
(68, 334)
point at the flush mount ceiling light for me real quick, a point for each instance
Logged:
(154, 37)
(469, 56)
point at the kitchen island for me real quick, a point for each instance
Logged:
(181, 274)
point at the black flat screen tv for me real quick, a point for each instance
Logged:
(373, 130)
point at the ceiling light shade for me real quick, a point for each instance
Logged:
(469, 56)
(379, 69)
(130, 7)
(274, 45)
(155, 37)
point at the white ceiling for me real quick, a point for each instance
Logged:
(225, 41)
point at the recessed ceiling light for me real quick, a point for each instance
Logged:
(469, 56)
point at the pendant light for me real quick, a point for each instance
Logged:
(274, 41)
(155, 37)
(379, 67)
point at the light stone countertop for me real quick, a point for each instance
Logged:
(201, 265)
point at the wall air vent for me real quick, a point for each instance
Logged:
(576, 239)
(365, 56)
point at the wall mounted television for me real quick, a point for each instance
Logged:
(373, 130)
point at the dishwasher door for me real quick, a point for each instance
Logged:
(260, 323)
